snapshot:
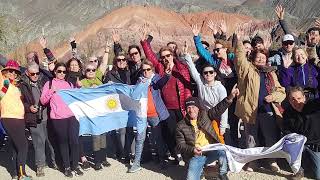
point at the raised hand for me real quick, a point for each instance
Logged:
(195, 30)
(213, 27)
(185, 48)
(279, 10)
(317, 23)
(223, 26)
(267, 42)
(72, 39)
(115, 36)
(144, 31)
(240, 32)
(43, 42)
(107, 47)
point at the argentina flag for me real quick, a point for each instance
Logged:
(108, 107)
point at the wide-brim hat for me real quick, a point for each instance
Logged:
(12, 65)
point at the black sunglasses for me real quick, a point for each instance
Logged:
(134, 53)
(90, 70)
(119, 60)
(288, 43)
(148, 69)
(60, 71)
(33, 74)
(208, 72)
(12, 71)
(166, 56)
(216, 49)
(94, 61)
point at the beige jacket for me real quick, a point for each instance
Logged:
(249, 85)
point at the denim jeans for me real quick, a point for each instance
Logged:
(197, 163)
(40, 139)
(157, 137)
(311, 162)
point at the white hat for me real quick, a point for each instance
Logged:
(287, 37)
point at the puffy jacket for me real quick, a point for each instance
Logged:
(180, 72)
(249, 86)
(185, 133)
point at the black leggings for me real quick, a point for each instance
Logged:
(67, 132)
(15, 129)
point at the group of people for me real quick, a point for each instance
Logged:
(191, 99)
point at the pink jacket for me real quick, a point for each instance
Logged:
(59, 110)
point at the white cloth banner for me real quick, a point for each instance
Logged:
(289, 147)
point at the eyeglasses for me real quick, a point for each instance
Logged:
(94, 61)
(134, 53)
(90, 70)
(166, 56)
(208, 72)
(288, 43)
(123, 60)
(60, 71)
(148, 69)
(33, 74)
(216, 49)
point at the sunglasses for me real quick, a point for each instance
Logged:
(12, 71)
(288, 43)
(60, 71)
(208, 72)
(216, 49)
(166, 56)
(123, 60)
(33, 74)
(135, 53)
(148, 69)
(94, 61)
(90, 70)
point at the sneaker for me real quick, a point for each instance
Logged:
(134, 168)
(40, 171)
(68, 172)
(274, 167)
(78, 172)
(223, 177)
(97, 167)
(85, 165)
(299, 175)
(106, 163)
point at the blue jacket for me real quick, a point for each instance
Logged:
(157, 82)
(297, 75)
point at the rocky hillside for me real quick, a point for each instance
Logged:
(24, 20)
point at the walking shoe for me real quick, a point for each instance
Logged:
(78, 172)
(105, 163)
(40, 171)
(97, 167)
(274, 167)
(223, 177)
(85, 165)
(299, 175)
(54, 166)
(134, 168)
(68, 172)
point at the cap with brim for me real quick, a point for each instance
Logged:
(288, 37)
(12, 65)
(11, 68)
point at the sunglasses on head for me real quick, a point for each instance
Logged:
(134, 53)
(90, 70)
(208, 72)
(288, 43)
(148, 69)
(123, 60)
(60, 71)
(33, 74)
(166, 56)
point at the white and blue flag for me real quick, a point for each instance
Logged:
(108, 107)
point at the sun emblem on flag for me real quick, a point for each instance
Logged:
(112, 103)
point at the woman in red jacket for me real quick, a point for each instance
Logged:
(175, 92)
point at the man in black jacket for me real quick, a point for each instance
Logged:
(196, 131)
(303, 117)
(36, 115)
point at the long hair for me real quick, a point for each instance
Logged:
(114, 62)
(74, 59)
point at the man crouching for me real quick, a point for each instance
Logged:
(196, 131)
